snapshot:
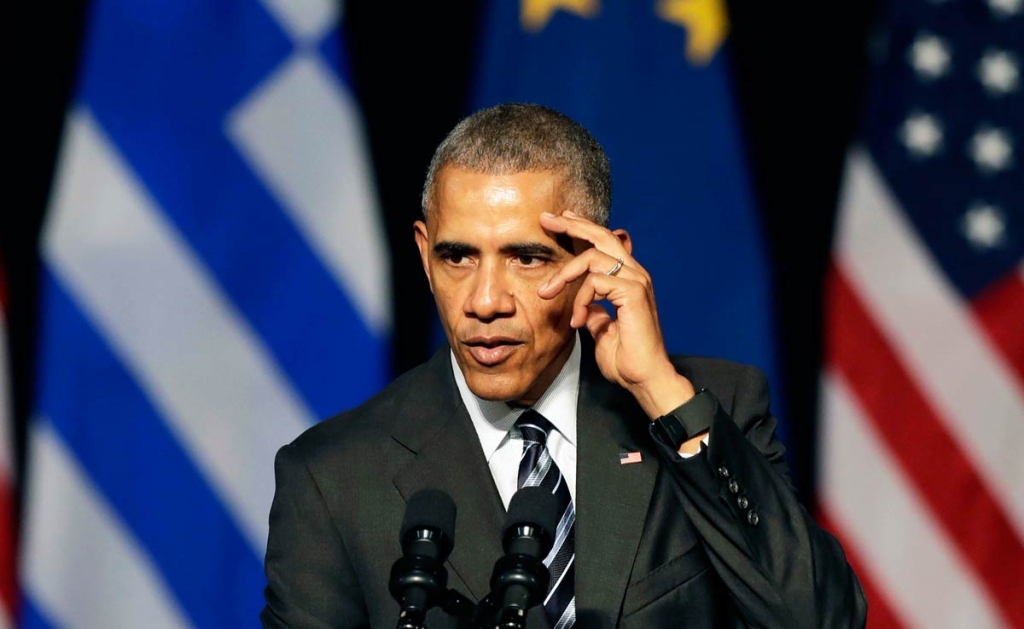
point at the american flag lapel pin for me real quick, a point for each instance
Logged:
(625, 458)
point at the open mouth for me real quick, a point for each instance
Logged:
(491, 351)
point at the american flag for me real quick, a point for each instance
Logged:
(626, 458)
(8, 522)
(922, 443)
(215, 281)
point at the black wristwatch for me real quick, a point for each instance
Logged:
(685, 421)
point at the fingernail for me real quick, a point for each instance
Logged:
(548, 214)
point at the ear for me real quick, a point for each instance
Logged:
(423, 244)
(627, 242)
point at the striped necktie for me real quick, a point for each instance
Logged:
(537, 468)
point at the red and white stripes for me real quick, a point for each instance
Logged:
(923, 424)
(8, 521)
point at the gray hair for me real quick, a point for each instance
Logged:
(517, 137)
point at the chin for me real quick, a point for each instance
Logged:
(494, 388)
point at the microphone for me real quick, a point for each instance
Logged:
(520, 578)
(418, 579)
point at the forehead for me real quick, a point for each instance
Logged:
(468, 200)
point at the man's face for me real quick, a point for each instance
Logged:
(486, 255)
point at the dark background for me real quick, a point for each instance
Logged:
(798, 70)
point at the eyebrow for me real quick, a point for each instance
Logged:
(448, 247)
(528, 249)
(452, 248)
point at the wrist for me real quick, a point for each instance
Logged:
(660, 395)
(683, 429)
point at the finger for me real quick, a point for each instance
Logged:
(577, 227)
(616, 291)
(598, 321)
(625, 297)
(591, 262)
(585, 297)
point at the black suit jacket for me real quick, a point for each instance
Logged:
(710, 542)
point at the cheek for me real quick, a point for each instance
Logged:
(553, 315)
(446, 295)
(567, 297)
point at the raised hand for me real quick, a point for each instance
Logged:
(630, 349)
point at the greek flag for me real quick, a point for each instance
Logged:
(215, 281)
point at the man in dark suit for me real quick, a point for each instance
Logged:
(686, 516)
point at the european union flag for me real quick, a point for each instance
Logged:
(650, 80)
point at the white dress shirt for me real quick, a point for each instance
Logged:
(502, 442)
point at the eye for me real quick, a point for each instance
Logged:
(457, 259)
(528, 260)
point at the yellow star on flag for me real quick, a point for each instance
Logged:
(535, 14)
(706, 23)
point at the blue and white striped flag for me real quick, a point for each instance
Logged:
(215, 281)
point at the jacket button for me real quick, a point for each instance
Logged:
(723, 472)
(734, 487)
(752, 518)
(742, 502)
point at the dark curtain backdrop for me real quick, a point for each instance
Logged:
(798, 69)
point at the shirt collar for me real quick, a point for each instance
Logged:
(492, 420)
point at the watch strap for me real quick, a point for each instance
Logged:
(685, 421)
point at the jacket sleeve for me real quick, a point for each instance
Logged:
(311, 583)
(782, 570)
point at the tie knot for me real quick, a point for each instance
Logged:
(534, 426)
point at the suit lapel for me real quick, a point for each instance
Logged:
(448, 457)
(612, 498)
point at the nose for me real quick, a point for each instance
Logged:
(491, 295)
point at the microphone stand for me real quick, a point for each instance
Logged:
(489, 613)
(458, 606)
(520, 581)
(451, 602)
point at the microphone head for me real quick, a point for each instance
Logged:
(429, 524)
(532, 515)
